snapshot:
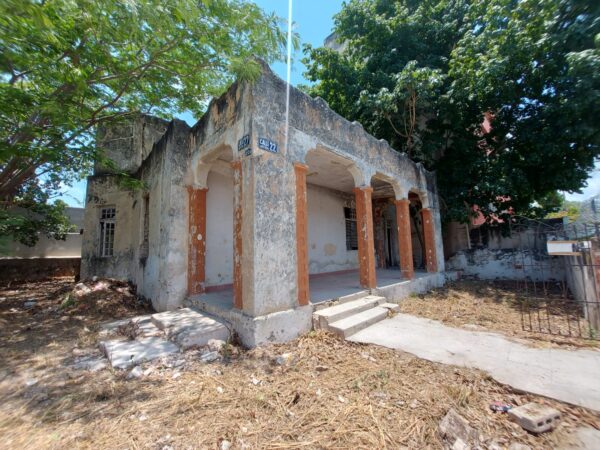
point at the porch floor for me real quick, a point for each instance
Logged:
(323, 287)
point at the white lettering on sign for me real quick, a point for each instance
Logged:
(243, 142)
(268, 145)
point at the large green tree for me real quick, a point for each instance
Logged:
(68, 65)
(423, 74)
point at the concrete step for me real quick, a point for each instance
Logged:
(190, 328)
(394, 307)
(356, 322)
(327, 316)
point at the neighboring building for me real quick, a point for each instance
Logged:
(49, 257)
(248, 228)
(47, 247)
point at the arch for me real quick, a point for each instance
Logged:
(332, 238)
(205, 163)
(385, 222)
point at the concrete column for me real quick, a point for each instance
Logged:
(302, 233)
(379, 233)
(237, 235)
(429, 237)
(197, 240)
(366, 250)
(405, 238)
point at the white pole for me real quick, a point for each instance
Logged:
(289, 74)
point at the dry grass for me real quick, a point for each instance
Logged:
(496, 306)
(333, 394)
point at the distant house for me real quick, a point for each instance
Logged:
(48, 257)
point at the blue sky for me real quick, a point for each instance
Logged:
(313, 20)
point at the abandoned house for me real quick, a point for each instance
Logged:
(257, 229)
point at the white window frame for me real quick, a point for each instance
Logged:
(107, 231)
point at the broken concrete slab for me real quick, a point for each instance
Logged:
(91, 363)
(456, 432)
(125, 354)
(190, 328)
(393, 307)
(144, 324)
(535, 418)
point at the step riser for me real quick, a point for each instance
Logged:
(324, 322)
(325, 317)
(346, 332)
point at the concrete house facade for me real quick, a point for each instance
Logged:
(233, 221)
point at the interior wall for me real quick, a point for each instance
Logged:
(219, 229)
(327, 231)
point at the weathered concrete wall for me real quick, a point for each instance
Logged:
(579, 275)
(129, 142)
(312, 125)
(171, 253)
(507, 264)
(104, 191)
(455, 237)
(219, 227)
(327, 231)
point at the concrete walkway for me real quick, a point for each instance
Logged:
(572, 376)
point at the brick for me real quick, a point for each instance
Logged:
(535, 417)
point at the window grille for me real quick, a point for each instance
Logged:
(351, 230)
(107, 231)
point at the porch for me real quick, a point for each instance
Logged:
(327, 287)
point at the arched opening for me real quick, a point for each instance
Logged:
(211, 261)
(333, 263)
(219, 223)
(417, 234)
(385, 225)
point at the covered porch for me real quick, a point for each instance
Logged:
(324, 287)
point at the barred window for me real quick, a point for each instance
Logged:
(107, 231)
(351, 232)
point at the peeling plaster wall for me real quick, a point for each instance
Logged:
(327, 231)
(173, 220)
(129, 142)
(219, 229)
(103, 191)
(314, 125)
(508, 264)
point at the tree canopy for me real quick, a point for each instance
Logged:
(424, 74)
(68, 65)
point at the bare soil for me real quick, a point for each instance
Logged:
(502, 307)
(331, 393)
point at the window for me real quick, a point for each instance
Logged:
(351, 233)
(107, 231)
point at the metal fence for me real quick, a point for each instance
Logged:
(557, 292)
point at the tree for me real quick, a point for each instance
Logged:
(425, 74)
(67, 66)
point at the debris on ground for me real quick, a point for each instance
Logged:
(456, 433)
(329, 394)
(500, 407)
(535, 417)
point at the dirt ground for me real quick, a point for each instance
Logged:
(496, 306)
(328, 393)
